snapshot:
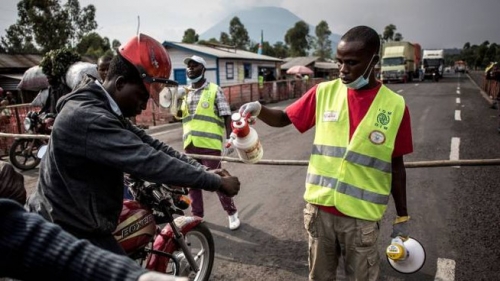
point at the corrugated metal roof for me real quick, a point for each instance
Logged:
(19, 61)
(220, 52)
(304, 61)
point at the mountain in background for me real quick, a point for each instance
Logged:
(273, 21)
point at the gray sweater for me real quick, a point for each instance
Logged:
(81, 175)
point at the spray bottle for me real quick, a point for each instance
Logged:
(245, 139)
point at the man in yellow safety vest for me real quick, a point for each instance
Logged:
(206, 121)
(362, 132)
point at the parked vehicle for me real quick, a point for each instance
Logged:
(400, 60)
(433, 64)
(23, 152)
(184, 247)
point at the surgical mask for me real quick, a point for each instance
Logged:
(194, 80)
(361, 81)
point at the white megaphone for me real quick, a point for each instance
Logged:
(405, 256)
(171, 98)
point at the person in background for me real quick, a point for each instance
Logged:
(34, 249)
(55, 64)
(92, 145)
(103, 66)
(206, 122)
(362, 131)
(10, 98)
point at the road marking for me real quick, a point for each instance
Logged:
(457, 115)
(455, 150)
(458, 100)
(445, 270)
(399, 91)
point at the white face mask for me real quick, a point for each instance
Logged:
(194, 80)
(361, 81)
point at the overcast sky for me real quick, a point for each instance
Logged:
(432, 23)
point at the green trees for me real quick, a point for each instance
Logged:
(298, 39)
(390, 34)
(323, 44)
(239, 34)
(190, 36)
(67, 24)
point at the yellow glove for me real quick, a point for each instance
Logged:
(400, 227)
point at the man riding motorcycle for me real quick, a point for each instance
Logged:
(92, 145)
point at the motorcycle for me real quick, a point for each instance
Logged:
(23, 152)
(185, 245)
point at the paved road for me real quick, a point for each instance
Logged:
(454, 209)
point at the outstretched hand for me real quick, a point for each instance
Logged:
(250, 109)
(229, 185)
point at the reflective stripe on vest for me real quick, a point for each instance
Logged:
(354, 176)
(204, 128)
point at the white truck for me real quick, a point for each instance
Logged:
(433, 64)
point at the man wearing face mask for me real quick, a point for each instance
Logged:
(207, 119)
(362, 132)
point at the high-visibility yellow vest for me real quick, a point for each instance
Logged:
(354, 176)
(204, 128)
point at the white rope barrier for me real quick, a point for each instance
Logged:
(417, 164)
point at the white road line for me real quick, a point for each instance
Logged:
(458, 100)
(445, 270)
(458, 92)
(457, 115)
(455, 148)
(399, 91)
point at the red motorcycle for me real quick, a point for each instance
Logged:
(183, 247)
(23, 152)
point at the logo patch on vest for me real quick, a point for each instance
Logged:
(205, 104)
(331, 116)
(377, 137)
(383, 119)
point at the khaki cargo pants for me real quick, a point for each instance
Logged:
(333, 237)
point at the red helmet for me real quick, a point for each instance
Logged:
(136, 227)
(151, 60)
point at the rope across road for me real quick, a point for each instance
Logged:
(416, 164)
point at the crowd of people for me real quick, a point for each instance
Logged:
(355, 166)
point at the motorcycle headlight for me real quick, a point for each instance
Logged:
(27, 124)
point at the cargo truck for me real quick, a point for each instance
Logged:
(399, 61)
(433, 64)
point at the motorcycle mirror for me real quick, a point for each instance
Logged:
(41, 151)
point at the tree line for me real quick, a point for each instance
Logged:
(74, 27)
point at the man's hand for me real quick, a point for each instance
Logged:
(252, 109)
(229, 185)
(400, 227)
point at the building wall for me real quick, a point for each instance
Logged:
(216, 68)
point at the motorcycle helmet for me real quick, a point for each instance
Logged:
(136, 227)
(152, 61)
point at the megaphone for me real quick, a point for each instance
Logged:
(405, 255)
(171, 98)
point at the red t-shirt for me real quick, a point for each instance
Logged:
(302, 113)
